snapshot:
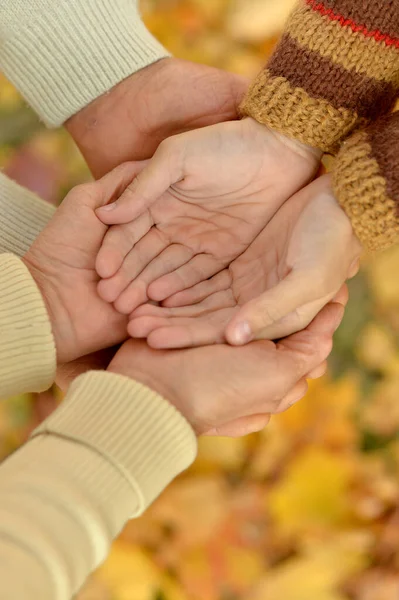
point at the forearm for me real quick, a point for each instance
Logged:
(101, 459)
(23, 215)
(62, 55)
(336, 68)
(366, 182)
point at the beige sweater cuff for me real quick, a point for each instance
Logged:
(27, 349)
(103, 456)
(62, 54)
(144, 437)
(23, 215)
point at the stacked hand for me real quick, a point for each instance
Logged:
(211, 228)
(295, 266)
(249, 383)
(220, 389)
(195, 207)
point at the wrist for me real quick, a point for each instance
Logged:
(100, 129)
(134, 361)
(301, 149)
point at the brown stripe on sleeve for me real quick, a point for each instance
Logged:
(351, 50)
(320, 77)
(383, 138)
(373, 14)
(365, 182)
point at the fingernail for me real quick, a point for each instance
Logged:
(242, 333)
(109, 207)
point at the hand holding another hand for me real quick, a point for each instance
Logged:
(232, 391)
(219, 389)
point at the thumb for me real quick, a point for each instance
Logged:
(262, 314)
(113, 184)
(162, 171)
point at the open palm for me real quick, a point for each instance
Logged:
(289, 266)
(194, 208)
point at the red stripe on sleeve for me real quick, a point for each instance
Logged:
(318, 6)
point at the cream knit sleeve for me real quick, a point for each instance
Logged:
(27, 349)
(23, 215)
(62, 54)
(98, 460)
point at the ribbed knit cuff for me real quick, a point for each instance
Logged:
(139, 432)
(361, 179)
(23, 215)
(62, 54)
(274, 102)
(62, 505)
(27, 349)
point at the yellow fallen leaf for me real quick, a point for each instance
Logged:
(317, 575)
(312, 494)
(377, 347)
(130, 574)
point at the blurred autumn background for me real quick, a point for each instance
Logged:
(306, 510)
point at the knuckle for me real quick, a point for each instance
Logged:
(82, 194)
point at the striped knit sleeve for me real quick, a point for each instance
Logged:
(335, 69)
(366, 182)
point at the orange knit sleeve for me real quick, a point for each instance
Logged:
(366, 182)
(335, 69)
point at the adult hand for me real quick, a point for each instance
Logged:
(295, 266)
(227, 390)
(196, 206)
(62, 262)
(163, 99)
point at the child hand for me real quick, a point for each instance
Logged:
(296, 265)
(196, 206)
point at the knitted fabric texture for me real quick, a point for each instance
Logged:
(335, 69)
(366, 182)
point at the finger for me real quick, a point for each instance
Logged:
(296, 290)
(190, 336)
(148, 248)
(141, 327)
(354, 269)
(118, 242)
(294, 396)
(343, 296)
(294, 322)
(327, 321)
(308, 348)
(113, 183)
(162, 171)
(172, 259)
(215, 302)
(136, 292)
(200, 325)
(318, 372)
(198, 269)
(201, 291)
(241, 427)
